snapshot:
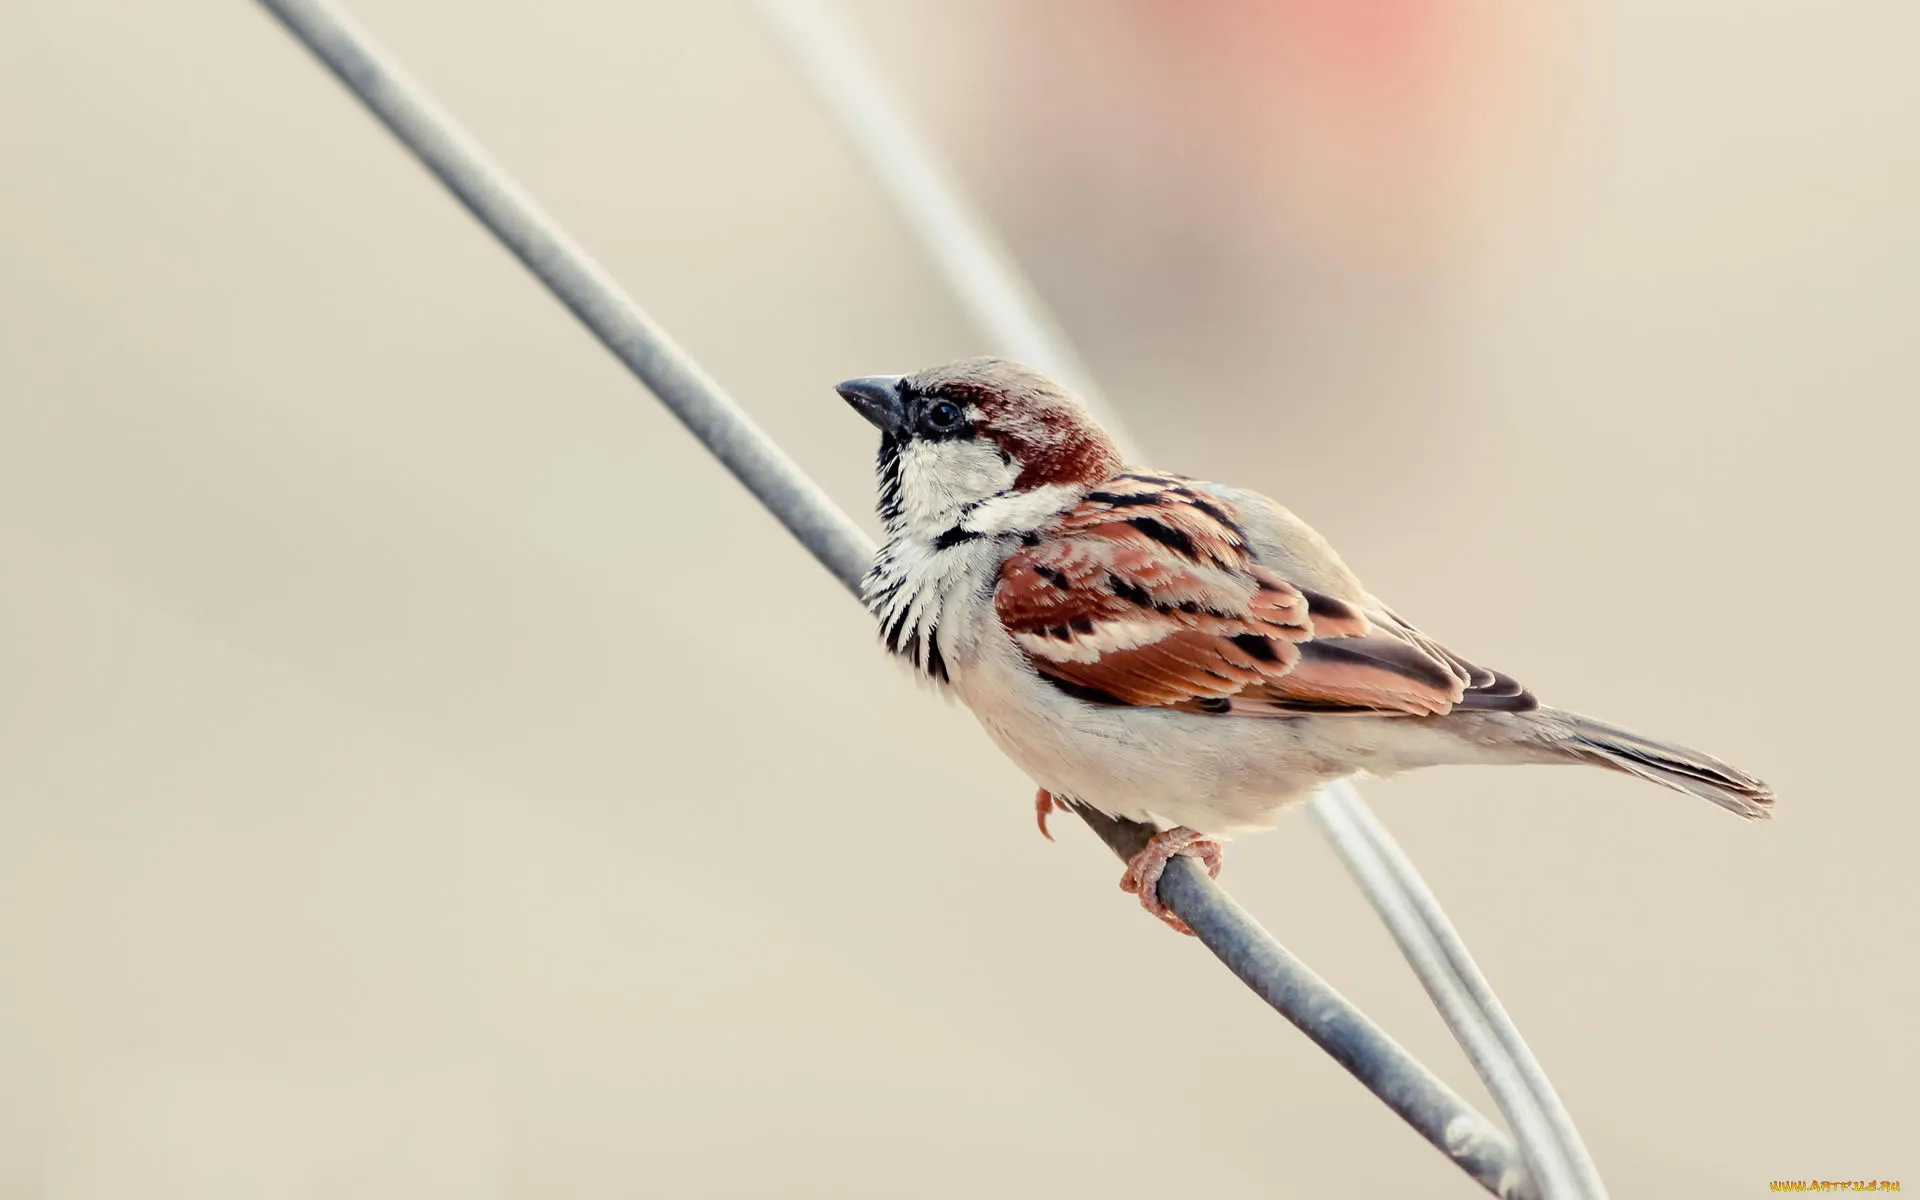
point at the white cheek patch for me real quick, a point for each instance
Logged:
(939, 479)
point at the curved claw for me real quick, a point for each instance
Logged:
(1044, 805)
(1142, 876)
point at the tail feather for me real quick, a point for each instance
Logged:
(1677, 767)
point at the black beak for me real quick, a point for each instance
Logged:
(877, 398)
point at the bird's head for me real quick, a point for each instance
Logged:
(982, 442)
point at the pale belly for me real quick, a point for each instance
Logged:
(1218, 775)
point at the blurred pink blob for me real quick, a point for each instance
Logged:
(1369, 132)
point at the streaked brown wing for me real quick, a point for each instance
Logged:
(1147, 594)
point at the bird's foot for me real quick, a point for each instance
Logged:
(1044, 805)
(1142, 876)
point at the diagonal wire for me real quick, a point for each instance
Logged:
(1467, 1003)
(983, 274)
(1415, 1093)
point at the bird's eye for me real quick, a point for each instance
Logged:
(944, 415)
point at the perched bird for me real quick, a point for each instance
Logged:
(1177, 653)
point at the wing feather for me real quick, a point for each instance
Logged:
(1149, 593)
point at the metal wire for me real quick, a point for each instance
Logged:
(1482, 1026)
(1415, 1093)
(975, 264)
(983, 276)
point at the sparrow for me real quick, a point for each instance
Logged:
(1182, 654)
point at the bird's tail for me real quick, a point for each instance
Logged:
(1677, 767)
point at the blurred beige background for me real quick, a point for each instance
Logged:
(424, 773)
